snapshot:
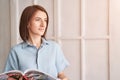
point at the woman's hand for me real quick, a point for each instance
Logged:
(62, 76)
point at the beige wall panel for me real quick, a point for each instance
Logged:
(115, 39)
(96, 18)
(71, 49)
(22, 4)
(96, 60)
(4, 32)
(70, 17)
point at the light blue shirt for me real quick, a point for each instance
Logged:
(49, 58)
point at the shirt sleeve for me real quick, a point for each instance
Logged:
(12, 61)
(61, 61)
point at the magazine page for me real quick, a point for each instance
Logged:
(37, 75)
(12, 75)
(27, 75)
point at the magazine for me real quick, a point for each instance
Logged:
(27, 75)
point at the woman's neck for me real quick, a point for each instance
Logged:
(36, 41)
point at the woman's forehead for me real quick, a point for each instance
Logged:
(40, 14)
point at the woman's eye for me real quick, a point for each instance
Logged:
(37, 19)
(45, 20)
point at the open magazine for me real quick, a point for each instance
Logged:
(27, 75)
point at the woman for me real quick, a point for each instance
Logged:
(35, 52)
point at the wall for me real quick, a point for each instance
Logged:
(5, 32)
(87, 30)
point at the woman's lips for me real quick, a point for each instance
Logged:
(41, 29)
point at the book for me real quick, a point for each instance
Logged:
(27, 75)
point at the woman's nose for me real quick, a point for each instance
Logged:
(42, 23)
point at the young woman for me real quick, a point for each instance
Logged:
(35, 52)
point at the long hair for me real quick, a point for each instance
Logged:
(26, 16)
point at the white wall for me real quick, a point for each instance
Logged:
(115, 39)
(87, 30)
(4, 32)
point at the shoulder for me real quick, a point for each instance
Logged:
(55, 46)
(53, 43)
(15, 49)
(18, 46)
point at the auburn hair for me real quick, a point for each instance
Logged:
(26, 16)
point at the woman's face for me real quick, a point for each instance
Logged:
(37, 24)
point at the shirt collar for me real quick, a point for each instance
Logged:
(44, 42)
